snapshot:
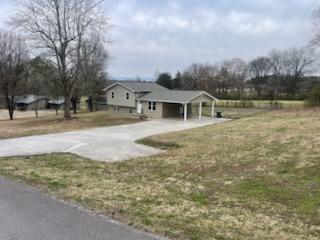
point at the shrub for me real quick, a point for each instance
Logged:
(314, 96)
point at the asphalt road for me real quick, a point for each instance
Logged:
(26, 214)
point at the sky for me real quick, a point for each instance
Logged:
(169, 35)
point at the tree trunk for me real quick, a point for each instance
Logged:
(74, 101)
(90, 104)
(67, 109)
(10, 105)
(37, 108)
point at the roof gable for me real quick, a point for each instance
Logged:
(138, 86)
(28, 99)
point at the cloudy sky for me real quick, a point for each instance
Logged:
(167, 35)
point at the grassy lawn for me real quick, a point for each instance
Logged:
(253, 178)
(54, 124)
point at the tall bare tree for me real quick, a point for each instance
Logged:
(201, 77)
(236, 73)
(298, 62)
(58, 29)
(13, 68)
(289, 67)
(260, 69)
(93, 75)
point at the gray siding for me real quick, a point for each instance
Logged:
(120, 97)
(122, 110)
(158, 113)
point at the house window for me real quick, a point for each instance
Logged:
(116, 109)
(152, 106)
(127, 96)
(112, 94)
(130, 110)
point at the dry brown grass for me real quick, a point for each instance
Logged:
(54, 124)
(254, 178)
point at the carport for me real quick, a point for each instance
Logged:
(175, 103)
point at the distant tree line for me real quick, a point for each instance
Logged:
(283, 74)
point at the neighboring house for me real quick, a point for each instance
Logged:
(155, 101)
(30, 102)
(3, 103)
(58, 103)
(98, 104)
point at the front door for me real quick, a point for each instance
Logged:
(139, 108)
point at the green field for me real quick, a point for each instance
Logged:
(256, 178)
(262, 104)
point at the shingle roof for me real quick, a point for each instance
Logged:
(173, 96)
(28, 99)
(139, 86)
(58, 101)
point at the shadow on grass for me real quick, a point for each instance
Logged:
(159, 144)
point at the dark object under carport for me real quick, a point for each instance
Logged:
(219, 115)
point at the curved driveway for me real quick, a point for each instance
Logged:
(102, 144)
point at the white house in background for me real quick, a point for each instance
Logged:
(154, 101)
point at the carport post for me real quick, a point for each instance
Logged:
(212, 109)
(200, 110)
(185, 111)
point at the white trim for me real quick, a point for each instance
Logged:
(205, 93)
(118, 83)
(159, 101)
(212, 109)
(200, 110)
(178, 102)
(185, 112)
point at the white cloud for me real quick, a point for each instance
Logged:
(168, 35)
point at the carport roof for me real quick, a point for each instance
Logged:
(174, 96)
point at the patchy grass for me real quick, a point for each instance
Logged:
(163, 145)
(254, 178)
(54, 124)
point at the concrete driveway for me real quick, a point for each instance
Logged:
(26, 214)
(102, 144)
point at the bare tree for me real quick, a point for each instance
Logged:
(297, 63)
(260, 69)
(58, 29)
(277, 71)
(200, 77)
(93, 75)
(36, 81)
(13, 68)
(288, 68)
(236, 73)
